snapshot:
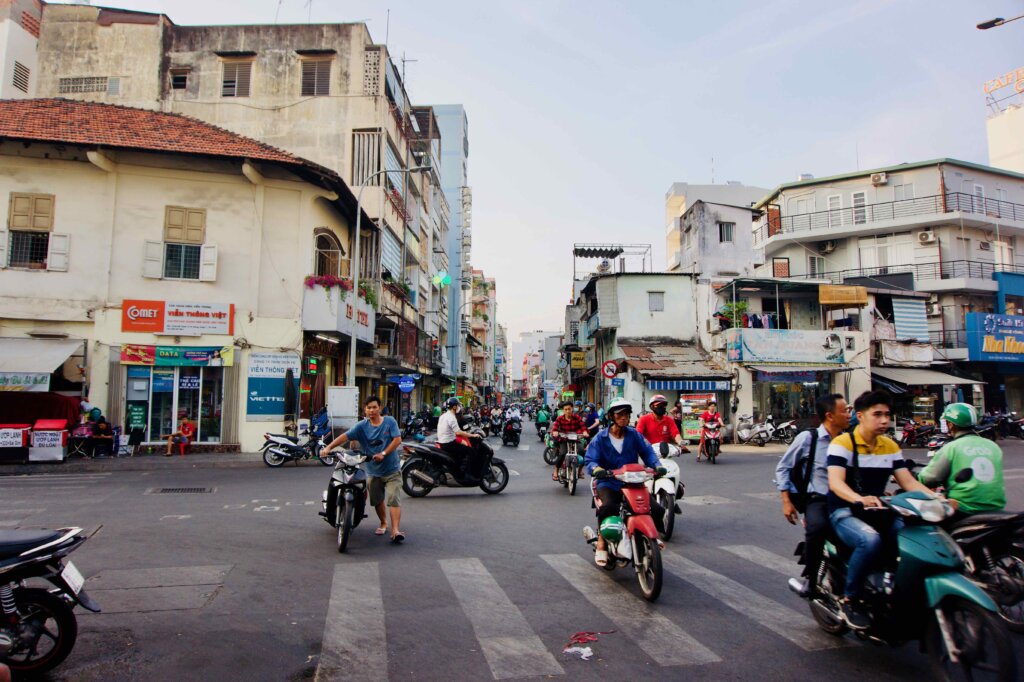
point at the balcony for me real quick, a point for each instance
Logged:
(323, 310)
(937, 276)
(870, 218)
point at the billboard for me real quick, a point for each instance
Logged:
(783, 345)
(995, 338)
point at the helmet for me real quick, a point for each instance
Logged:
(452, 402)
(578, 403)
(612, 528)
(592, 406)
(960, 414)
(657, 399)
(617, 405)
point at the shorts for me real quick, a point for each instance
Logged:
(385, 489)
(181, 439)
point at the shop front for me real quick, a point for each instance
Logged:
(995, 351)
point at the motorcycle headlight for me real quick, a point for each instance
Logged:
(351, 460)
(933, 510)
(633, 476)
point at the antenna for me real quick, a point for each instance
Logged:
(309, 15)
(387, 28)
(404, 62)
(712, 170)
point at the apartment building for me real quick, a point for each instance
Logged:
(681, 197)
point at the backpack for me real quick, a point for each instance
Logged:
(800, 476)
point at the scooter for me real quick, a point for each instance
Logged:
(568, 473)
(416, 428)
(428, 466)
(38, 627)
(511, 432)
(927, 597)
(344, 502)
(550, 450)
(542, 432)
(758, 434)
(786, 432)
(668, 489)
(496, 422)
(712, 433)
(631, 536)
(278, 449)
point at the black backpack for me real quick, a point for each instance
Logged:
(800, 476)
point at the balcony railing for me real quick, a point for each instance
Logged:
(949, 338)
(950, 269)
(855, 216)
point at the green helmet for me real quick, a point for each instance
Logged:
(612, 529)
(961, 415)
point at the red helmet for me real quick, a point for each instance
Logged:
(657, 399)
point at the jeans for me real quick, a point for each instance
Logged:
(866, 543)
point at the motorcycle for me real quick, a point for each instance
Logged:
(416, 428)
(343, 504)
(511, 432)
(758, 434)
(38, 627)
(635, 539)
(668, 489)
(568, 473)
(496, 422)
(915, 434)
(928, 597)
(428, 466)
(712, 433)
(550, 450)
(786, 432)
(542, 432)
(278, 449)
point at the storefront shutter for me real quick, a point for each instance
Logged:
(229, 408)
(911, 319)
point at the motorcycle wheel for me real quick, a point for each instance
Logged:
(573, 478)
(55, 630)
(344, 518)
(647, 561)
(272, 459)
(413, 486)
(983, 644)
(825, 609)
(789, 436)
(1012, 614)
(328, 460)
(550, 456)
(713, 451)
(495, 478)
(668, 502)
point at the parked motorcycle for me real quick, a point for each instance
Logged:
(344, 502)
(758, 434)
(914, 434)
(668, 489)
(416, 428)
(428, 467)
(278, 449)
(712, 432)
(510, 434)
(38, 627)
(568, 473)
(786, 432)
(632, 536)
(928, 597)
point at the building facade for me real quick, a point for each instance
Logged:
(681, 196)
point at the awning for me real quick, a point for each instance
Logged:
(689, 385)
(805, 367)
(919, 377)
(36, 356)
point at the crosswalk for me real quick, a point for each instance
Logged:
(355, 642)
(24, 496)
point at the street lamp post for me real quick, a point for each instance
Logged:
(998, 21)
(355, 260)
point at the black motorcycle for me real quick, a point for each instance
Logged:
(496, 423)
(510, 434)
(38, 627)
(344, 502)
(415, 428)
(428, 466)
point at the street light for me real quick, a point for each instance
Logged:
(355, 258)
(999, 21)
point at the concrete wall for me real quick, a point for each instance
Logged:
(1006, 139)
(703, 251)
(678, 320)
(682, 195)
(17, 44)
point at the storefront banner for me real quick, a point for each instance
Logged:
(136, 416)
(177, 356)
(906, 354)
(783, 345)
(24, 381)
(12, 438)
(47, 439)
(265, 391)
(188, 383)
(365, 319)
(179, 319)
(785, 377)
(995, 338)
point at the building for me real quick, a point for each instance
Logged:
(171, 260)
(19, 32)
(717, 241)
(1005, 124)
(681, 196)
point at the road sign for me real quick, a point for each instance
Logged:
(609, 369)
(618, 382)
(406, 384)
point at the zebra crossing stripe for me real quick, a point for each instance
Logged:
(797, 627)
(509, 644)
(660, 638)
(762, 557)
(354, 645)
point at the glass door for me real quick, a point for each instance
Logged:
(188, 397)
(210, 404)
(161, 418)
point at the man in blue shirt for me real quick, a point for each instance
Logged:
(379, 439)
(834, 415)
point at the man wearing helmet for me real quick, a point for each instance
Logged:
(612, 449)
(448, 430)
(985, 490)
(708, 416)
(657, 426)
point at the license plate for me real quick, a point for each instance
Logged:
(72, 577)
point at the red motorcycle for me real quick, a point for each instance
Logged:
(568, 473)
(631, 537)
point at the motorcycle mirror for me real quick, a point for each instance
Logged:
(964, 475)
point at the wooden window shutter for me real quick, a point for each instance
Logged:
(57, 252)
(4, 236)
(195, 226)
(184, 225)
(153, 260)
(237, 78)
(31, 212)
(208, 263)
(244, 71)
(316, 77)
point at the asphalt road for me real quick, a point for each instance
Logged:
(245, 583)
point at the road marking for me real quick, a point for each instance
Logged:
(523, 447)
(513, 472)
(771, 497)
(782, 620)
(509, 644)
(306, 503)
(762, 557)
(235, 506)
(705, 499)
(354, 644)
(660, 638)
(258, 501)
(265, 508)
(176, 517)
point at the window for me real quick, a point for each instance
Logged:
(979, 199)
(656, 301)
(835, 212)
(780, 267)
(21, 73)
(82, 84)
(184, 234)
(31, 243)
(236, 79)
(887, 253)
(179, 79)
(859, 202)
(181, 261)
(815, 266)
(903, 192)
(725, 231)
(330, 257)
(365, 156)
(316, 77)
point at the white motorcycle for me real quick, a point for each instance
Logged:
(669, 488)
(758, 434)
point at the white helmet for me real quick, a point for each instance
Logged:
(617, 405)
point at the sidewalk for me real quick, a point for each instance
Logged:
(142, 462)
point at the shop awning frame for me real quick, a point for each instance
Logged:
(919, 377)
(36, 356)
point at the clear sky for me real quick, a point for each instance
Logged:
(583, 112)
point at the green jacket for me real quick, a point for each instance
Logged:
(985, 490)
(542, 417)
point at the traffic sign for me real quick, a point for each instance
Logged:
(406, 384)
(609, 369)
(618, 382)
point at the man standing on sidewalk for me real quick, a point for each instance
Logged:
(379, 439)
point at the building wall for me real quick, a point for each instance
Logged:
(1006, 139)
(677, 321)
(702, 249)
(18, 44)
(453, 123)
(682, 195)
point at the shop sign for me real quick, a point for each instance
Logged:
(785, 377)
(188, 383)
(996, 338)
(24, 381)
(47, 439)
(12, 438)
(1014, 78)
(163, 381)
(783, 345)
(136, 415)
(177, 356)
(577, 360)
(691, 429)
(265, 390)
(178, 319)
(618, 382)
(406, 384)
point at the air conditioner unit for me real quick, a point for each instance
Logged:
(712, 326)
(934, 310)
(985, 246)
(718, 343)
(879, 179)
(827, 247)
(926, 237)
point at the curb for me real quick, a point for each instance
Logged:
(138, 463)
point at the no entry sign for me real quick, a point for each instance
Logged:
(609, 369)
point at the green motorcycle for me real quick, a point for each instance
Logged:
(927, 598)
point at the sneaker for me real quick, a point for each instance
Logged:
(853, 616)
(802, 587)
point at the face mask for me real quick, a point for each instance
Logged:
(659, 410)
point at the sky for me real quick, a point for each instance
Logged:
(582, 113)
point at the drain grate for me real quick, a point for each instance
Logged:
(178, 491)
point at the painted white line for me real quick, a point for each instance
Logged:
(762, 557)
(176, 517)
(235, 506)
(771, 497)
(782, 620)
(264, 508)
(258, 501)
(306, 503)
(700, 500)
(513, 472)
(523, 447)
(354, 645)
(509, 644)
(660, 638)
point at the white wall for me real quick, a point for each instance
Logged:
(16, 44)
(677, 321)
(1006, 139)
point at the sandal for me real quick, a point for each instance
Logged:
(398, 538)
(554, 476)
(380, 531)
(601, 557)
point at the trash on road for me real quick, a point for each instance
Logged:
(573, 646)
(585, 652)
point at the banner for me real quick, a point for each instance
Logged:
(24, 381)
(177, 356)
(265, 390)
(995, 338)
(577, 360)
(178, 319)
(783, 345)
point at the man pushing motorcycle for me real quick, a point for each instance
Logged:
(611, 449)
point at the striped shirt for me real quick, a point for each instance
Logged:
(875, 465)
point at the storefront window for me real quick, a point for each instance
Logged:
(161, 411)
(210, 404)
(790, 396)
(161, 396)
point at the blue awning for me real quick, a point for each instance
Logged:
(689, 385)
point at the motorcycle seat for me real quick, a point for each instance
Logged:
(996, 517)
(15, 542)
